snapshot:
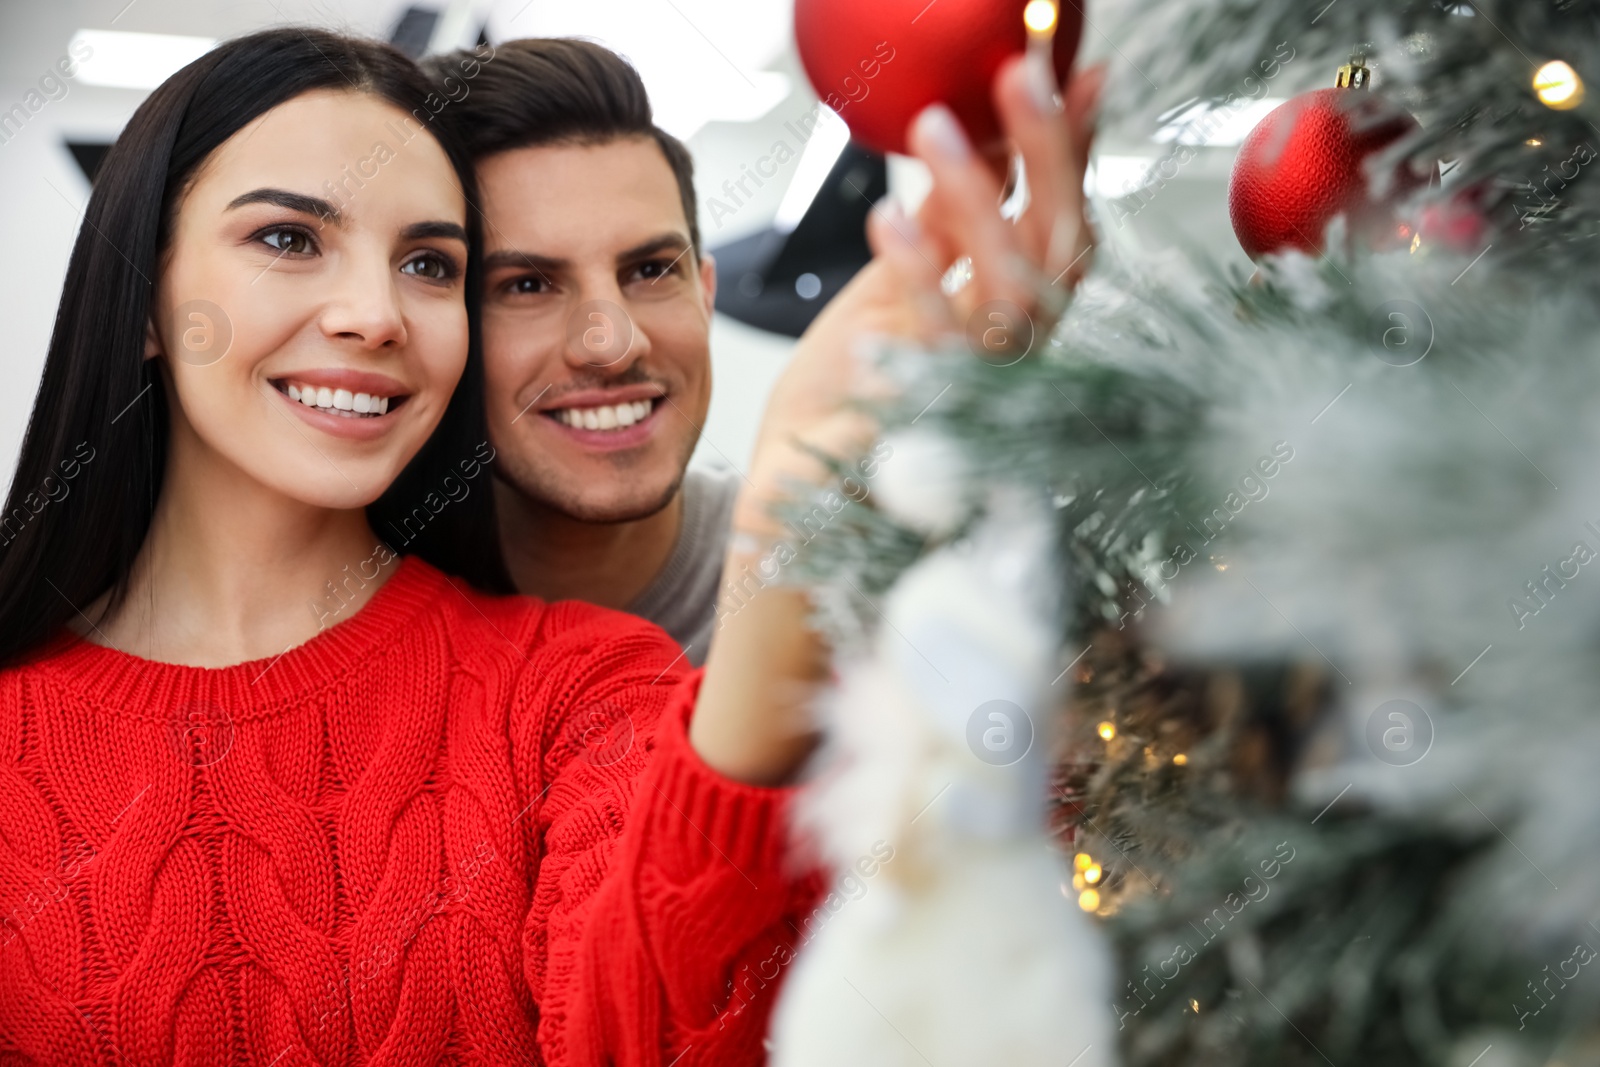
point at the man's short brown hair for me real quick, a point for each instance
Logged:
(550, 91)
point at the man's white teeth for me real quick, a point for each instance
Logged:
(339, 400)
(616, 417)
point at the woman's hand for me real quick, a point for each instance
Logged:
(1030, 265)
(752, 721)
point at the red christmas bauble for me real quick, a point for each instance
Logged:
(1305, 164)
(879, 62)
(1459, 223)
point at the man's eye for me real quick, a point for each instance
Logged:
(288, 240)
(528, 285)
(653, 269)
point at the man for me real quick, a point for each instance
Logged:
(596, 334)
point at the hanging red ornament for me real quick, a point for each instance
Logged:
(879, 62)
(1459, 223)
(1305, 164)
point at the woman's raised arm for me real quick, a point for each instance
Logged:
(752, 722)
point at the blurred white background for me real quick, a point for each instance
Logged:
(722, 74)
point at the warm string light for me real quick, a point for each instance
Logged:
(1107, 730)
(1086, 874)
(1558, 86)
(1040, 16)
(1041, 19)
(1181, 760)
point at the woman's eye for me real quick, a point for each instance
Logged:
(288, 241)
(431, 266)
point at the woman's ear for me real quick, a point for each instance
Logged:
(152, 340)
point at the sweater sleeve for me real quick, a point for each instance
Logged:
(664, 910)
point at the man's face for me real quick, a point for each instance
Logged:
(596, 327)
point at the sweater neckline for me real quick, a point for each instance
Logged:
(125, 683)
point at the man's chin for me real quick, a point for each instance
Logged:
(603, 508)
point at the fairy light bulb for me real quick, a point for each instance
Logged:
(1040, 17)
(1082, 861)
(1181, 759)
(1089, 899)
(1107, 730)
(1092, 873)
(1558, 86)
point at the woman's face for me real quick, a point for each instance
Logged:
(310, 307)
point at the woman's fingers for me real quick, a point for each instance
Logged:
(1053, 137)
(1082, 104)
(1082, 109)
(1025, 98)
(962, 212)
(916, 262)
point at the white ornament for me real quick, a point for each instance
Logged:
(960, 947)
(923, 482)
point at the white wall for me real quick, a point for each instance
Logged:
(43, 191)
(710, 62)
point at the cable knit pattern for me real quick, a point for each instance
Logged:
(450, 829)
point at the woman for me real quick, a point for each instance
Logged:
(269, 794)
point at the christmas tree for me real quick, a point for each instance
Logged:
(1324, 535)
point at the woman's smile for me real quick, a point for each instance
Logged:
(356, 405)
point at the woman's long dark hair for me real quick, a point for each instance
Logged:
(93, 458)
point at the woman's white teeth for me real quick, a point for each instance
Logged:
(615, 417)
(339, 400)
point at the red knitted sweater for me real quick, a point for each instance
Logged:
(450, 829)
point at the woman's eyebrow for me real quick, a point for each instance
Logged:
(420, 230)
(327, 212)
(309, 205)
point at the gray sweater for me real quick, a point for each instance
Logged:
(683, 598)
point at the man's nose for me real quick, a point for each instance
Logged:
(602, 334)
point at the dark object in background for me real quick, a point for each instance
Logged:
(779, 282)
(88, 155)
(414, 30)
